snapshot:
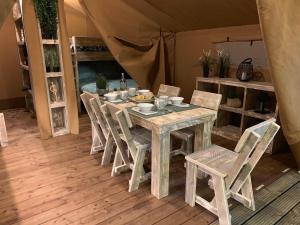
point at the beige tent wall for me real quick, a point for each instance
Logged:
(78, 24)
(5, 9)
(136, 41)
(280, 25)
(11, 95)
(189, 47)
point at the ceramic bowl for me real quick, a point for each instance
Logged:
(145, 107)
(176, 100)
(111, 96)
(143, 91)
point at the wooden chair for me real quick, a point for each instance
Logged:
(168, 90)
(109, 143)
(98, 138)
(229, 170)
(3, 133)
(138, 141)
(203, 99)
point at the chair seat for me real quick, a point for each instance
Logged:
(214, 159)
(141, 137)
(183, 134)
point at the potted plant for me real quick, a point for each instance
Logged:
(46, 12)
(206, 61)
(223, 63)
(101, 84)
(51, 59)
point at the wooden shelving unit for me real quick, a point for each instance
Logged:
(55, 86)
(87, 49)
(24, 61)
(232, 122)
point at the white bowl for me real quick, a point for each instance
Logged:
(143, 91)
(145, 107)
(176, 100)
(111, 96)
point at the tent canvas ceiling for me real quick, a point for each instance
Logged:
(184, 15)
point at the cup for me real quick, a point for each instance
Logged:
(160, 103)
(124, 95)
(132, 92)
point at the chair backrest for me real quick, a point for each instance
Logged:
(3, 132)
(95, 105)
(206, 99)
(125, 125)
(251, 146)
(107, 112)
(168, 90)
(86, 97)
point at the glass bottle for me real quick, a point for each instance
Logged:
(123, 82)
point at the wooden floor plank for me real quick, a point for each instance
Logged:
(56, 181)
(292, 218)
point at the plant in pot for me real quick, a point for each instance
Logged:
(206, 61)
(223, 60)
(51, 59)
(101, 84)
(46, 12)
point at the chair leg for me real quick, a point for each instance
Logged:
(117, 162)
(189, 145)
(221, 201)
(191, 182)
(247, 192)
(108, 149)
(137, 170)
(96, 143)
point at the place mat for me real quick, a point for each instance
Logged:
(168, 109)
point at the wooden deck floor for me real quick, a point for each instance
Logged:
(56, 181)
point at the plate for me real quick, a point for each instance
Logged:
(136, 109)
(182, 105)
(116, 101)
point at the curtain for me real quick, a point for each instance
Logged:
(280, 23)
(5, 9)
(136, 42)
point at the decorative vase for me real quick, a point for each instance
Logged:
(205, 70)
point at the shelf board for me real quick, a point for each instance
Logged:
(231, 109)
(252, 113)
(229, 132)
(50, 42)
(54, 74)
(265, 86)
(21, 43)
(24, 66)
(17, 19)
(57, 104)
(61, 131)
(93, 56)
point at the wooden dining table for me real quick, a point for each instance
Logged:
(201, 119)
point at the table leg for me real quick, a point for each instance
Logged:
(160, 164)
(202, 135)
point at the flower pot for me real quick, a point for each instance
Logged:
(205, 70)
(101, 92)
